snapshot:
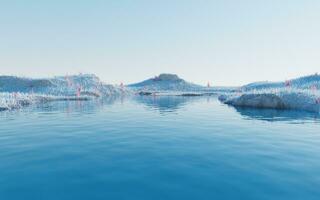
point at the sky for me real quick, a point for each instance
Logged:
(225, 42)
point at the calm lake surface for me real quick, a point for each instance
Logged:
(158, 148)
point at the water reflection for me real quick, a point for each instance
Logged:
(165, 104)
(273, 115)
(77, 106)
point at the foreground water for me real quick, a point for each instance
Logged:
(158, 148)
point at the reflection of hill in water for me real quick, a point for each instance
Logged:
(78, 106)
(278, 115)
(165, 103)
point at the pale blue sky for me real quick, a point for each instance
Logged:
(226, 42)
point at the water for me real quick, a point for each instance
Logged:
(158, 148)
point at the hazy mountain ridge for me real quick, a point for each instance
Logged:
(166, 82)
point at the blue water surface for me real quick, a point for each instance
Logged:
(158, 148)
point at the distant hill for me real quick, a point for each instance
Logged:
(166, 82)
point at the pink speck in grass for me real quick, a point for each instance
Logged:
(287, 83)
(78, 91)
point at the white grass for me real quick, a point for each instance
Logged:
(292, 98)
(16, 100)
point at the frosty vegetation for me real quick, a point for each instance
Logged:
(16, 92)
(299, 94)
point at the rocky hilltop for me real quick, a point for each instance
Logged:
(166, 82)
